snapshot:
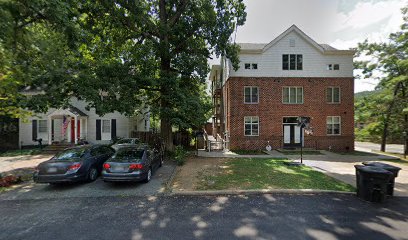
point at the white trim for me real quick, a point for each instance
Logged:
(283, 94)
(250, 94)
(333, 124)
(259, 129)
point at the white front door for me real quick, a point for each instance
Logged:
(286, 134)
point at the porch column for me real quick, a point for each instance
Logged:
(76, 130)
(49, 130)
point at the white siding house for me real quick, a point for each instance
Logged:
(81, 125)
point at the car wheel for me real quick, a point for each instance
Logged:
(149, 176)
(92, 174)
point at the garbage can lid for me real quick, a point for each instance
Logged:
(372, 169)
(382, 165)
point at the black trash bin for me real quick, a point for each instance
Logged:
(372, 183)
(395, 170)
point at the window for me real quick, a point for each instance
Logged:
(251, 95)
(293, 95)
(106, 126)
(333, 125)
(249, 65)
(333, 95)
(292, 62)
(333, 67)
(42, 126)
(251, 126)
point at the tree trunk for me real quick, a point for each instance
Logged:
(165, 67)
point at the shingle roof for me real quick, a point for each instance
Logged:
(76, 111)
(260, 46)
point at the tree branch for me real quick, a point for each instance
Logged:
(177, 15)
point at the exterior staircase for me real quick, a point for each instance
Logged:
(56, 148)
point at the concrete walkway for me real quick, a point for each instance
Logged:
(8, 164)
(368, 146)
(342, 168)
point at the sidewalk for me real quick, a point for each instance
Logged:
(229, 154)
(342, 168)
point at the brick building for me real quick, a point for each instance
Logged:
(276, 83)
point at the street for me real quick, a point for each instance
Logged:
(368, 146)
(269, 216)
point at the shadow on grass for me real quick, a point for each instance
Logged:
(250, 173)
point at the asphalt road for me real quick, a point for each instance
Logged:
(391, 148)
(270, 216)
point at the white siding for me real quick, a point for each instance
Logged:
(124, 125)
(314, 62)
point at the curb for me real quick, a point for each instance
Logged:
(257, 192)
(170, 180)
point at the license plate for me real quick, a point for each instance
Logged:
(121, 169)
(52, 170)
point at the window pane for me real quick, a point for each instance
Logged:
(247, 66)
(285, 62)
(286, 95)
(329, 120)
(247, 94)
(336, 67)
(329, 129)
(292, 62)
(336, 119)
(292, 95)
(329, 67)
(255, 129)
(336, 128)
(254, 66)
(299, 61)
(247, 129)
(329, 95)
(299, 92)
(255, 95)
(336, 95)
(255, 120)
(247, 120)
(42, 126)
(106, 126)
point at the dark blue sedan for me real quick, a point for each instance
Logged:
(132, 164)
(83, 163)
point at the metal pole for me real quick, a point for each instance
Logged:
(301, 146)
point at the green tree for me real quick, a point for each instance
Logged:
(390, 59)
(121, 55)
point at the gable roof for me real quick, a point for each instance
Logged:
(262, 47)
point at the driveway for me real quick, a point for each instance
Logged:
(342, 168)
(368, 146)
(98, 188)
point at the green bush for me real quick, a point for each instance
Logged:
(180, 155)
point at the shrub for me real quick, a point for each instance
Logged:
(180, 155)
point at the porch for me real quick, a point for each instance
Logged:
(67, 126)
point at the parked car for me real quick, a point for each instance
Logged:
(126, 142)
(82, 163)
(135, 163)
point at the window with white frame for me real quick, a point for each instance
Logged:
(293, 95)
(251, 66)
(106, 126)
(251, 126)
(251, 94)
(333, 125)
(333, 95)
(42, 126)
(332, 67)
(292, 62)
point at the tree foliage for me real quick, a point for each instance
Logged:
(119, 55)
(388, 61)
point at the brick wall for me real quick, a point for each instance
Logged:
(271, 111)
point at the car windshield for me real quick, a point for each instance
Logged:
(127, 154)
(124, 141)
(70, 154)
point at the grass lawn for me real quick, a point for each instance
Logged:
(248, 152)
(13, 153)
(245, 173)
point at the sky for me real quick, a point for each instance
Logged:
(340, 23)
